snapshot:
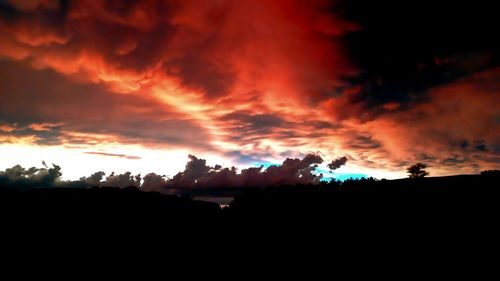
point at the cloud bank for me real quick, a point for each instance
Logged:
(256, 80)
(196, 175)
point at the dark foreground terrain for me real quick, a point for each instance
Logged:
(466, 199)
(432, 220)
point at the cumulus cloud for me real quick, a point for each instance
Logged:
(153, 182)
(17, 176)
(292, 171)
(93, 180)
(98, 179)
(122, 180)
(196, 175)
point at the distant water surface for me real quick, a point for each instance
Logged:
(222, 201)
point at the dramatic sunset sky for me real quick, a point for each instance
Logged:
(137, 86)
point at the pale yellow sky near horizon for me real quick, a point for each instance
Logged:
(75, 163)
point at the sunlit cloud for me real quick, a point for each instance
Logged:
(236, 82)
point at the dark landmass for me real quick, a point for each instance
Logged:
(452, 216)
(367, 205)
(100, 205)
(436, 199)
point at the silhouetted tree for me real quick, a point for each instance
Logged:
(417, 171)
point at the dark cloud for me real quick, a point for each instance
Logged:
(384, 81)
(43, 134)
(205, 45)
(153, 182)
(114, 180)
(122, 180)
(464, 144)
(19, 177)
(405, 48)
(481, 146)
(292, 171)
(246, 127)
(119, 31)
(196, 168)
(320, 125)
(246, 123)
(197, 174)
(425, 157)
(455, 160)
(337, 163)
(76, 107)
(361, 142)
(201, 73)
(94, 180)
(114, 155)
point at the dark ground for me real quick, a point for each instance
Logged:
(464, 199)
(453, 219)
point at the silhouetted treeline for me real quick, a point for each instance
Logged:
(77, 211)
(454, 214)
(368, 198)
(349, 199)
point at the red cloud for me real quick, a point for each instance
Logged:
(465, 111)
(254, 76)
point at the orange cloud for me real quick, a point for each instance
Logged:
(250, 79)
(465, 112)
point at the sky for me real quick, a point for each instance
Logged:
(139, 85)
